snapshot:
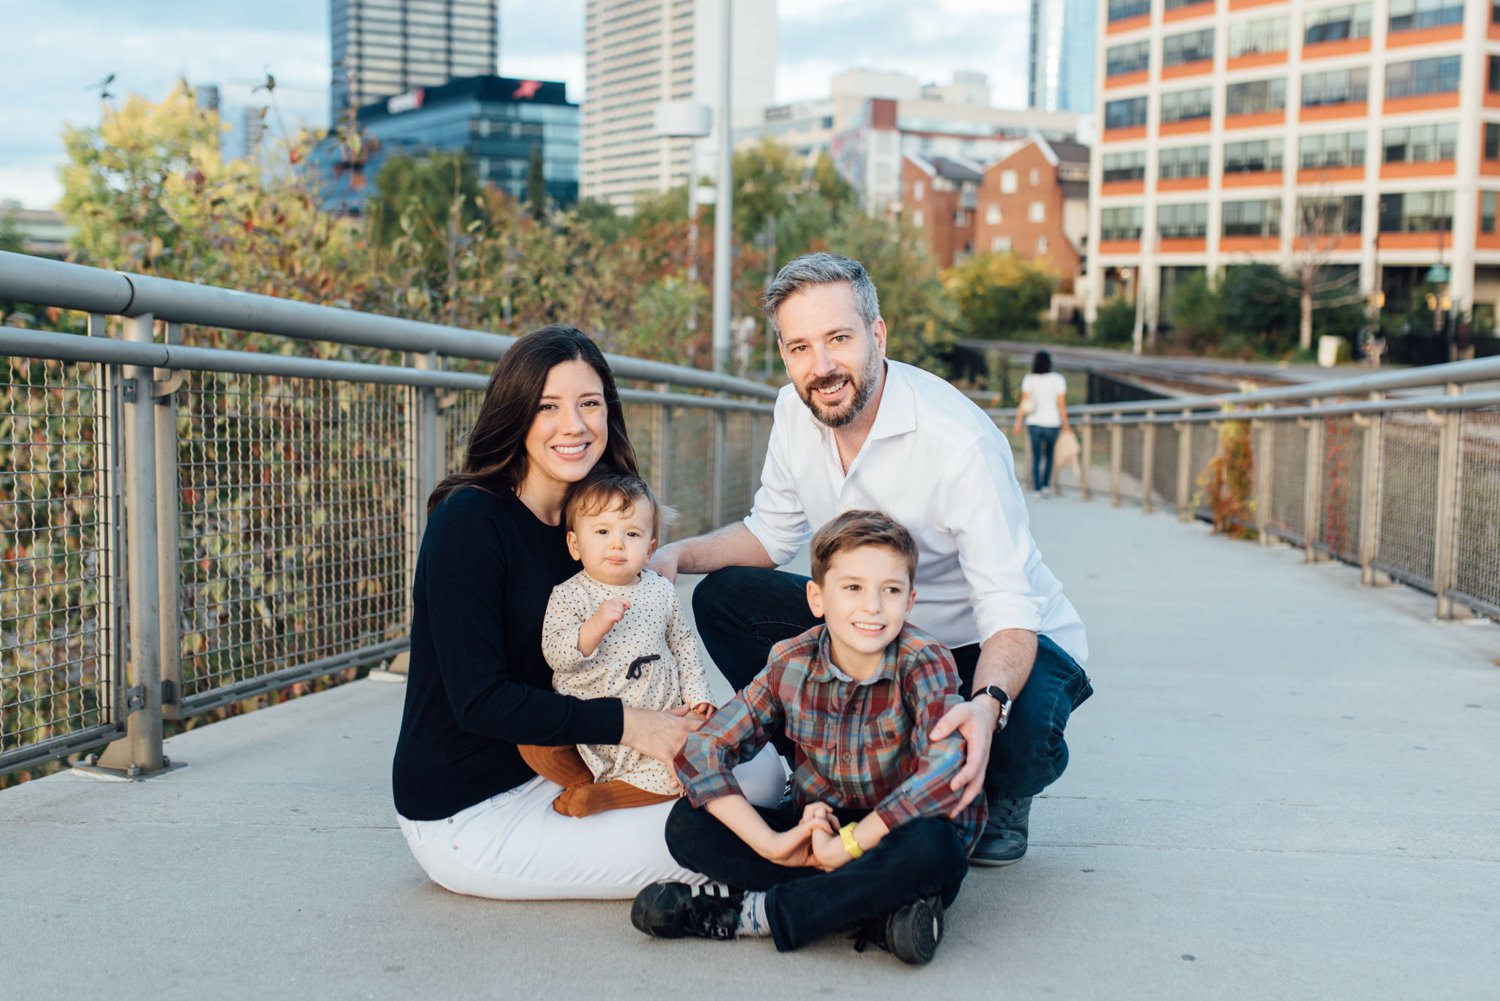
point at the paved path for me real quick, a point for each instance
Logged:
(1286, 787)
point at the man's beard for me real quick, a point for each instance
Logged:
(863, 388)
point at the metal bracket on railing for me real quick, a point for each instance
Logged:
(1304, 422)
(1437, 417)
(1363, 420)
(135, 698)
(163, 389)
(446, 401)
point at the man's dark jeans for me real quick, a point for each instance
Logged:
(741, 612)
(921, 858)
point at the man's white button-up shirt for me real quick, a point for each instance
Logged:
(937, 464)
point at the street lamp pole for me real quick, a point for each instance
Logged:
(724, 201)
(686, 120)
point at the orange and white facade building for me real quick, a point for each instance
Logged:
(1223, 121)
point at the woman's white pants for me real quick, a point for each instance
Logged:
(514, 846)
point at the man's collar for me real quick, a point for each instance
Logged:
(897, 413)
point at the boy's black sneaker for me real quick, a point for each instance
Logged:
(911, 933)
(677, 910)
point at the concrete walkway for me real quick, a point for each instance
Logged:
(1286, 787)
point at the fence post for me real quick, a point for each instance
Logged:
(425, 462)
(721, 455)
(168, 522)
(1184, 468)
(1116, 450)
(662, 467)
(1086, 460)
(1369, 491)
(1263, 474)
(1444, 559)
(139, 752)
(1312, 492)
(1148, 461)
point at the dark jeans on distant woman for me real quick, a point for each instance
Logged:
(1043, 441)
(741, 612)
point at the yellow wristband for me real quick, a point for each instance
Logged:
(846, 834)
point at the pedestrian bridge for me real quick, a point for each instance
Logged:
(1284, 786)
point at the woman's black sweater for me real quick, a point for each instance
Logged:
(477, 684)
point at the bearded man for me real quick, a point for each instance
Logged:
(855, 430)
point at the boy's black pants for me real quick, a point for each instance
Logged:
(921, 858)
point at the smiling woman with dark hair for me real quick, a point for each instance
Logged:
(477, 818)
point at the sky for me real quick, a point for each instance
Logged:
(57, 51)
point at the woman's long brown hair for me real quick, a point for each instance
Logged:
(496, 455)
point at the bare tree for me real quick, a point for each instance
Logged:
(1322, 221)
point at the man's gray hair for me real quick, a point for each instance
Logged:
(823, 269)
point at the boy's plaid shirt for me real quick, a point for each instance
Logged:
(862, 746)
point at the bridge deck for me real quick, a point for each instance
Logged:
(1286, 786)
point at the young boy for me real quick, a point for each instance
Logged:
(869, 842)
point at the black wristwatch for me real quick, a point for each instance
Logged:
(998, 694)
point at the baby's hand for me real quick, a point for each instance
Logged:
(612, 611)
(703, 709)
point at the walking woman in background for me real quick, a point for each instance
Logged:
(1044, 408)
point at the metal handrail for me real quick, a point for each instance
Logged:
(130, 448)
(93, 290)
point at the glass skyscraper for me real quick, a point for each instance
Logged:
(386, 47)
(1062, 55)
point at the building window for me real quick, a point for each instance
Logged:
(1416, 212)
(1421, 143)
(1000, 245)
(1124, 113)
(992, 215)
(1121, 223)
(1041, 245)
(1438, 75)
(1181, 162)
(1182, 222)
(1036, 177)
(1336, 24)
(916, 219)
(1266, 34)
(1037, 212)
(1492, 141)
(1336, 216)
(1333, 149)
(1413, 15)
(1351, 86)
(1125, 166)
(1492, 75)
(1008, 182)
(1185, 105)
(1132, 57)
(1174, 4)
(1121, 10)
(1255, 97)
(918, 189)
(1190, 47)
(1487, 206)
(1253, 157)
(1260, 217)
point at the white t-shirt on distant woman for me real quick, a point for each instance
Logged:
(1044, 390)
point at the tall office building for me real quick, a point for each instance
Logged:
(1061, 54)
(1361, 136)
(382, 48)
(640, 53)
